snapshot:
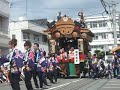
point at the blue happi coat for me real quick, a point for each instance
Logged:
(15, 56)
(53, 63)
(42, 64)
(37, 56)
(29, 58)
(3, 60)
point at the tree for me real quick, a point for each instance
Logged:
(97, 52)
(100, 54)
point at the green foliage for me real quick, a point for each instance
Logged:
(99, 54)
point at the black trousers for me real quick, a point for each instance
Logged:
(96, 72)
(28, 76)
(44, 75)
(41, 80)
(53, 76)
(82, 65)
(35, 74)
(14, 80)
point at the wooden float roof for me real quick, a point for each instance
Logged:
(66, 22)
(115, 49)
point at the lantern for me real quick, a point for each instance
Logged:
(57, 35)
(74, 34)
(84, 35)
(49, 36)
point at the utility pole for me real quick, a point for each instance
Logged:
(114, 22)
(119, 21)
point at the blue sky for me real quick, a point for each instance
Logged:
(37, 9)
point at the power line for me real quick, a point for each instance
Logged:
(104, 5)
(107, 21)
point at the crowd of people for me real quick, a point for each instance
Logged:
(99, 68)
(34, 64)
(25, 66)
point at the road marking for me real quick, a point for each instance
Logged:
(112, 81)
(110, 87)
(77, 80)
(64, 84)
(112, 84)
(59, 86)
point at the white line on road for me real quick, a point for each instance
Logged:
(59, 86)
(76, 80)
(113, 81)
(64, 84)
(112, 84)
(110, 87)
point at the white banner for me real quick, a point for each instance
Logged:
(76, 56)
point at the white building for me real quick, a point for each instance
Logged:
(101, 26)
(4, 21)
(31, 30)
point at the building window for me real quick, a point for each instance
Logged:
(26, 36)
(93, 24)
(44, 38)
(103, 36)
(102, 23)
(96, 24)
(13, 36)
(98, 47)
(96, 37)
(36, 38)
(118, 35)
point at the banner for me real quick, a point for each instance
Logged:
(76, 56)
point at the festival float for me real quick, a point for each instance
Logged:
(69, 40)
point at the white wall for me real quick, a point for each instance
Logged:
(4, 8)
(18, 28)
(109, 41)
(5, 24)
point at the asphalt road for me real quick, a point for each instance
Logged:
(76, 84)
